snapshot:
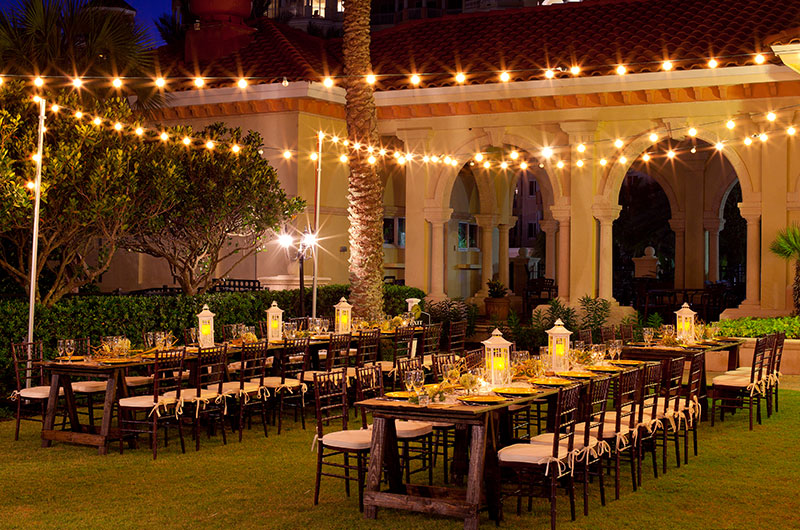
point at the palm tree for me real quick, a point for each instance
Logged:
(72, 38)
(365, 189)
(787, 246)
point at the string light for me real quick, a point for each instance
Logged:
(460, 77)
(505, 77)
(646, 157)
(487, 165)
(719, 146)
(235, 148)
(160, 82)
(285, 82)
(760, 59)
(401, 160)
(118, 126)
(186, 140)
(693, 150)
(77, 82)
(712, 63)
(670, 154)
(39, 82)
(55, 107)
(623, 159)
(371, 159)
(415, 80)
(503, 164)
(164, 137)
(667, 65)
(748, 141)
(653, 137)
(79, 114)
(581, 148)
(199, 82)
(287, 154)
(547, 152)
(139, 131)
(447, 160)
(242, 83)
(603, 161)
(513, 155)
(327, 82)
(35, 158)
(575, 70)
(791, 131)
(117, 82)
(771, 116)
(621, 70)
(343, 159)
(30, 184)
(478, 157)
(314, 157)
(371, 79)
(549, 74)
(209, 145)
(36, 98)
(579, 163)
(763, 137)
(618, 143)
(692, 132)
(730, 124)
(97, 121)
(560, 164)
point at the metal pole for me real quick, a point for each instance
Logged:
(35, 244)
(316, 228)
(300, 259)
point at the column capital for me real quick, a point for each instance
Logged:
(486, 220)
(713, 224)
(437, 216)
(508, 223)
(561, 213)
(579, 130)
(606, 213)
(678, 225)
(548, 226)
(750, 211)
(415, 137)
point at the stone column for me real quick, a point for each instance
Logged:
(606, 214)
(438, 218)
(752, 214)
(678, 226)
(503, 263)
(486, 222)
(562, 215)
(714, 226)
(550, 229)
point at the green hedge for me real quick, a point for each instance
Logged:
(96, 316)
(758, 327)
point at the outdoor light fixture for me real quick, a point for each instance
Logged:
(575, 70)
(160, 82)
(199, 82)
(685, 324)
(618, 143)
(308, 241)
(342, 321)
(667, 65)
(242, 83)
(205, 328)
(274, 322)
(498, 363)
(371, 79)
(558, 346)
(505, 77)
(328, 82)
(692, 132)
(77, 82)
(39, 82)
(713, 63)
(117, 82)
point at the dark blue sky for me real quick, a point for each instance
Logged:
(146, 12)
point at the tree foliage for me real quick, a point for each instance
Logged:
(222, 206)
(787, 245)
(90, 195)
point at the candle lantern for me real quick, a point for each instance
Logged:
(343, 313)
(411, 303)
(274, 322)
(685, 323)
(558, 346)
(205, 328)
(498, 364)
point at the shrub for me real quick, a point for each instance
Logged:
(453, 310)
(758, 327)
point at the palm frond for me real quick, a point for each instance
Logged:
(787, 243)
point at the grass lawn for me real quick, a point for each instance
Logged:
(740, 480)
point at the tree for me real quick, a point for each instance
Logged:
(90, 193)
(787, 245)
(70, 38)
(222, 205)
(365, 189)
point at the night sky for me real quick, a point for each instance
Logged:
(146, 11)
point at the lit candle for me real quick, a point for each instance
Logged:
(499, 363)
(274, 324)
(559, 349)
(205, 329)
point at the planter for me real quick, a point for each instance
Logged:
(497, 308)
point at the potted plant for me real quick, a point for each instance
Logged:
(497, 303)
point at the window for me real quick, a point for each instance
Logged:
(394, 231)
(467, 236)
(532, 188)
(530, 230)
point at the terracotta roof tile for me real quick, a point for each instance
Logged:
(595, 34)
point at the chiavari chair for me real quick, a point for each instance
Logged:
(403, 344)
(780, 337)
(289, 386)
(607, 333)
(457, 336)
(414, 431)
(474, 358)
(585, 335)
(626, 332)
(647, 422)
(734, 391)
(33, 387)
(248, 388)
(431, 339)
(87, 388)
(367, 347)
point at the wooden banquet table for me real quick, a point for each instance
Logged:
(483, 424)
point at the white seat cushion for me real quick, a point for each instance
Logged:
(190, 394)
(275, 382)
(386, 366)
(412, 429)
(232, 387)
(356, 439)
(38, 392)
(547, 439)
(530, 453)
(609, 429)
(235, 366)
(140, 380)
(137, 402)
(89, 387)
(731, 380)
(322, 355)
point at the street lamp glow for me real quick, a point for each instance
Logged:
(285, 240)
(309, 240)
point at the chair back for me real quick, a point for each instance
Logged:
(27, 368)
(295, 359)
(300, 322)
(650, 389)
(403, 339)
(188, 340)
(595, 408)
(626, 332)
(167, 371)
(457, 335)
(263, 329)
(83, 346)
(673, 383)
(585, 335)
(431, 338)
(229, 331)
(338, 351)
(607, 333)
(254, 362)
(475, 358)
(696, 367)
(211, 368)
(625, 398)
(763, 344)
(777, 356)
(368, 345)
(769, 356)
(330, 399)
(406, 365)
(439, 361)
(369, 384)
(565, 418)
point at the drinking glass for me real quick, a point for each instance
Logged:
(647, 335)
(543, 352)
(408, 380)
(579, 345)
(325, 324)
(519, 357)
(417, 380)
(60, 348)
(669, 330)
(598, 352)
(193, 335)
(69, 348)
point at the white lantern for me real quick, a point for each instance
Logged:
(205, 328)
(558, 346)
(412, 302)
(274, 322)
(343, 313)
(498, 363)
(685, 324)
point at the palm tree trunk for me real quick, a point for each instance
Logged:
(365, 190)
(796, 287)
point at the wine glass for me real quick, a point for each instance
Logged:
(69, 348)
(408, 380)
(647, 335)
(60, 348)
(417, 380)
(325, 324)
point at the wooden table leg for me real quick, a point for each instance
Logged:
(491, 474)
(459, 467)
(383, 453)
(108, 409)
(69, 401)
(49, 419)
(475, 476)
(733, 357)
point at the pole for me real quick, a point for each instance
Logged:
(35, 243)
(300, 259)
(316, 228)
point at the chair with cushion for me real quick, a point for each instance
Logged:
(431, 339)
(248, 388)
(367, 347)
(32, 387)
(338, 356)
(330, 403)
(86, 388)
(289, 386)
(667, 410)
(456, 337)
(775, 374)
(539, 466)
(647, 422)
(626, 332)
(690, 401)
(415, 431)
(735, 391)
(403, 341)
(162, 408)
(440, 361)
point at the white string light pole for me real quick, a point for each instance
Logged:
(320, 138)
(37, 186)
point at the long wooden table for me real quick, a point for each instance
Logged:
(482, 423)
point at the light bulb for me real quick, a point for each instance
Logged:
(285, 240)
(32, 185)
(763, 137)
(671, 153)
(77, 82)
(186, 140)
(199, 82)
(513, 155)
(242, 83)
(460, 77)
(117, 82)
(356, 146)
(575, 70)
(487, 165)
(719, 146)
(547, 152)
(382, 151)
(523, 165)
(314, 157)
(478, 157)
(713, 63)
(371, 159)
(581, 148)
(371, 79)
(730, 124)
(560, 164)
(623, 159)
(692, 132)
(415, 79)
(505, 77)
(549, 74)
(139, 131)
(209, 145)
(646, 157)
(748, 141)
(791, 131)
(771, 116)
(97, 121)
(321, 135)
(118, 126)
(79, 114)
(39, 82)
(164, 137)
(285, 82)
(343, 159)
(504, 165)
(160, 82)
(447, 160)
(36, 99)
(435, 159)
(667, 65)
(653, 137)
(454, 162)
(579, 163)
(603, 161)
(335, 139)
(287, 154)
(401, 160)
(426, 159)
(621, 70)
(693, 150)
(328, 82)
(760, 59)
(618, 143)
(55, 108)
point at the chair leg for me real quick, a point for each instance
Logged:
(280, 412)
(90, 406)
(319, 474)
(180, 435)
(153, 436)
(586, 488)
(241, 417)
(407, 461)
(347, 473)
(664, 450)
(776, 397)
(758, 408)
(553, 493)
(444, 457)
(677, 447)
(360, 470)
(694, 436)
(655, 460)
(750, 409)
(19, 416)
(601, 481)
(616, 475)
(713, 410)
(571, 489)
(686, 444)
(264, 416)
(633, 466)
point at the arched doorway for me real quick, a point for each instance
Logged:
(462, 254)
(733, 245)
(526, 238)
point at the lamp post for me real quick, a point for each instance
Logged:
(308, 241)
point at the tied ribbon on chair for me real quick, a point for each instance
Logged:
(561, 465)
(314, 442)
(695, 411)
(15, 395)
(223, 399)
(758, 387)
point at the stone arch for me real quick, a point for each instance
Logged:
(675, 205)
(719, 199)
